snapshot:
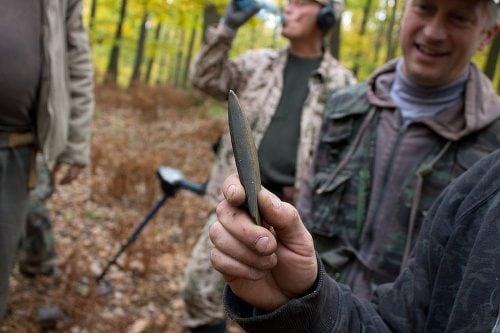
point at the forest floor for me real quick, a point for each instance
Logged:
(134, 132)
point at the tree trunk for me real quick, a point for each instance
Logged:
(112, 70)
(491, 61)
(163, 66)
(379, 39)
(139, 53)
(189, 54)
(210, 17)
(178, 58)
(391, 48)
(93, 8)
(362, 31)
(152, 58)
(334, 40)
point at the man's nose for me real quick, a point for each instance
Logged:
(436, 28)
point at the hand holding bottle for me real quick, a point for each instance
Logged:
(238, 12)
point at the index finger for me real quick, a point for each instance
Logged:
(240, 226)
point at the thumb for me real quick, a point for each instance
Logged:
(284, 218)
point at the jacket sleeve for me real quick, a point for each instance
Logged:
(340, 312)
(212, 71)
(81, 87)
(399, 307)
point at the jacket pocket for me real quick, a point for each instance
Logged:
(327, 204)
(337, 131)
(334, 139)
(328, 192)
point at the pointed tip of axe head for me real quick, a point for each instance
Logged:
(232, 102)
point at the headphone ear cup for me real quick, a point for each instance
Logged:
(326, 18)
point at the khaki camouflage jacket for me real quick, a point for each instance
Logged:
(374, 180)
(257, 79)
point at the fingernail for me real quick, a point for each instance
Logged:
(262, 244)
(230, 190)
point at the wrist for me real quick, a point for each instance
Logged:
(226, 30)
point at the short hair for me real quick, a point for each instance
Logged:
(492, 9)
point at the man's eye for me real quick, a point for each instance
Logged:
(422, 8)
(461, 20)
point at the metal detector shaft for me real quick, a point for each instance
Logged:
(171, 180)
(134, 235)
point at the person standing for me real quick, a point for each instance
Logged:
(283, 94)
(46, 98)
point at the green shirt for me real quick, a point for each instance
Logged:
(278, 149)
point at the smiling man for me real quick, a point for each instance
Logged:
(387, 149)
(283, 92)
(439, 39)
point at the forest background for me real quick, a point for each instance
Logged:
(153, 41)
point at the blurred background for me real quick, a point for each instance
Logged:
(153, 41)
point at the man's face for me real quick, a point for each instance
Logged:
(300, 19)
(438, 38)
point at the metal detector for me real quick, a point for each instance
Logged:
(171, 180)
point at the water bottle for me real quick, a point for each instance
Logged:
(266, 10)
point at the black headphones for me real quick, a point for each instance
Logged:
(326, 18)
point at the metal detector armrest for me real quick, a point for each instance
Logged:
(173, 179)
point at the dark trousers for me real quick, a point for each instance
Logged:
(15, 166)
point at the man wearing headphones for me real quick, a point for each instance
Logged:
(283, 93)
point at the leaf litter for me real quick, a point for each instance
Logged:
(134, 132)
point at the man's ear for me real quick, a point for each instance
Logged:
(488, 36)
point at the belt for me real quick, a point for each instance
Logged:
(16, 139)
(19, 139)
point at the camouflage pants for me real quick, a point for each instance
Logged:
(203, 284)
(37, 253)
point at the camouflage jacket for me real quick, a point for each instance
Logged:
(450, 285)
(257, 79)
(365, 225)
